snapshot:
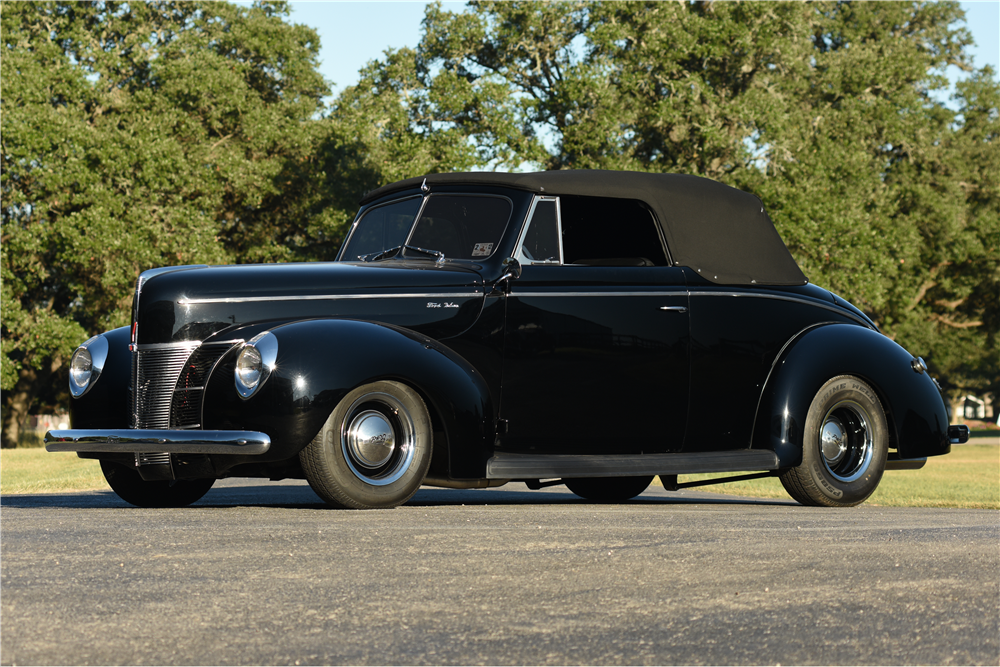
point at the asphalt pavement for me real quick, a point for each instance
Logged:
(263, 573)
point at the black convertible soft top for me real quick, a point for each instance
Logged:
(723, 233)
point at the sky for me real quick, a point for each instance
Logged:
(353, 33)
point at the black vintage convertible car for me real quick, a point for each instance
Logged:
(587, 328)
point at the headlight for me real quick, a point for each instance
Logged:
(86, 365)
(81, 368)
(249, 367)
(255, 363)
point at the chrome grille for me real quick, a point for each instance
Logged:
(168, 382)
(155, 371)
(147, 459)
(185, 410)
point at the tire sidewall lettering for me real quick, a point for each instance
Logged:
(819, 474)
(812, 482)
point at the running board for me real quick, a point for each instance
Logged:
(538, 466)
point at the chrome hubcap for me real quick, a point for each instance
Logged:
(846, 441)
(834, 441)
(371, 439)
(378, 439)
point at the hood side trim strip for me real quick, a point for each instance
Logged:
(332, 297)
(526, 294)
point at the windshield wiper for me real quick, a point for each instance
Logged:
(392, 252)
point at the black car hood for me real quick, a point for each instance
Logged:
(193, 303)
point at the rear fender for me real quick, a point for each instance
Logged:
(918, 421)
(319, 361)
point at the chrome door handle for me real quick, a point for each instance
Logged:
(676, 309)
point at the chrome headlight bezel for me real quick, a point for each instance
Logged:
(254, 363)
(81, 379)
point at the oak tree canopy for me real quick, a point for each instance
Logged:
(145, 134)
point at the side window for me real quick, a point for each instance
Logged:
(540, 244)
(593, 231)
(600, 231)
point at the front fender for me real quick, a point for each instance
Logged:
(918, 420)
(319, 361)
(107, 403)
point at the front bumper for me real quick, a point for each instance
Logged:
(958, 434)
(157, 440)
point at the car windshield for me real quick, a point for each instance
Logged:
(381, 228)
(457, 226)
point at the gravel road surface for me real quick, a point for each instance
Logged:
(263, 573)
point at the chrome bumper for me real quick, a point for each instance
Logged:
(958, 434)
(157, 440)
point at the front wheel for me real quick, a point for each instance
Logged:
(844, 446)
(608, 489)
(133, 489)
(374, 449)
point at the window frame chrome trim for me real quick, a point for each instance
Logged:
(518, 254)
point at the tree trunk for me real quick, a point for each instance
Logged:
(30, 382)
(958, 410)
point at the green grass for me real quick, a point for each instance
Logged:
(38, 471)
(969, 477)
(29, 439)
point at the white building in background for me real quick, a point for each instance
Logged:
(974, 408)
(47, 422)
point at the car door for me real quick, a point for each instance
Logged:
(596, 351)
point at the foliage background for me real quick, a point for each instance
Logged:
(146, 134)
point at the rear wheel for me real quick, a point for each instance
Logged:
(608, 489)
(133, 489)
(374, 449)
(844, 446)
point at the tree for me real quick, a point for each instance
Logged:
(823, 109)
(953, 315)
(138, 135)
(380, 130)
(887, 196)
(146, 134)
